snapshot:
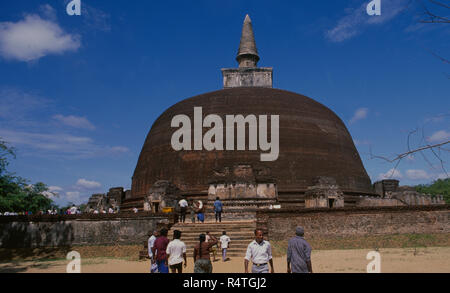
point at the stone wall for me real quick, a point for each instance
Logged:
(402, 198)
(242, 190)
(62, 231)
(319, 223)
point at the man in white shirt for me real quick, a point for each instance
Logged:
(151, 241)
(224, 244)
(259, 252)
(176, 252)
(73, 210)
(183, 208)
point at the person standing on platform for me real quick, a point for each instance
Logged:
(200, 212)
(299, 253)
(259, 252)
(183, 208)
(159, 251)
(218, 207)
(192, 209)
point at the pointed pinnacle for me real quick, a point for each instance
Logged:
(247, 47)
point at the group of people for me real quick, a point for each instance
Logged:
(165, 254)
(70, 211)
(197, 210)
(104, 211)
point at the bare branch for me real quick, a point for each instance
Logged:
(439, 158)
(439, 3)
(403, 155)
(433, 18)
(422, 153)
(439, 57)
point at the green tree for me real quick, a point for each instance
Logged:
(438, 187)
(15, 194)
(5, 151)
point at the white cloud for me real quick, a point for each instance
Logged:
(58, 145)
(50, 195)
(359, 142)
(441, 176)
(356, 19)
(391, 174)
(74, 121)
(50, 142)
(52, 192)
(54, 188)
(361, 113)
(83, 183)
(417, 174)
(16, 105)
(439, 136)
(437, 118)
(33, 38)
(119, 149)
(73, 196)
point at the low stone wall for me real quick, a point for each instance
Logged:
(87, 229)
(340, 222)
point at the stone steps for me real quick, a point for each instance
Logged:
(240, 232)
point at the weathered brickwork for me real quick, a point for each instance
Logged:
(280, 225)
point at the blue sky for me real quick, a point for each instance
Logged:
(78, 94)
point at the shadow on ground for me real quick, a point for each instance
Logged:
(12, 269)
(37, 254)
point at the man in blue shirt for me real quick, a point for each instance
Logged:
(218, 209)
(299, 254)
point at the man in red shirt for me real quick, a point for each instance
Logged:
(159, 251)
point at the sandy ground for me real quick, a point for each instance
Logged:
(393, 260)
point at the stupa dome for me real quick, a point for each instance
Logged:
(313, 142)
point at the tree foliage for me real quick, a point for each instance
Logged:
(438, 187)
(15, 193)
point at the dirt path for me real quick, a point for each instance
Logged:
(393, 260)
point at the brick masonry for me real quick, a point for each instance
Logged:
(341, 222)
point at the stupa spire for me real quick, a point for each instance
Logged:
(248, 54)
(248, 74)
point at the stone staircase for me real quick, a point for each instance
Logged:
(241, 234)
